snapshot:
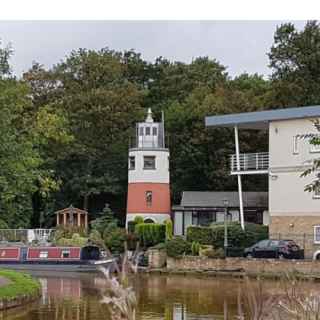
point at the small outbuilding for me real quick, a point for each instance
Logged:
(205, 207)
(72, 217)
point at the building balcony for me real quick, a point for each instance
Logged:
(250, 163)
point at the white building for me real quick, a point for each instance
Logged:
(148, 174)
(294, 213)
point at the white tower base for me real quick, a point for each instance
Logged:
(155, 217)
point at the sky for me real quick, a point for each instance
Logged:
(241, 46)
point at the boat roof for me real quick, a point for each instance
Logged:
(261, 119)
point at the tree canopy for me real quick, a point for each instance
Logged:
(64, 130)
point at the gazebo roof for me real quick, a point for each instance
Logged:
(71, 208)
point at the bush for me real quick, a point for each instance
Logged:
(75, 241)
(160, 246)
(169, 229)
(237, 238)
(177, 247)
(114, 239)
(3, 224)
(150, 234)
(95, 238)
(213, 253)
(195, 248)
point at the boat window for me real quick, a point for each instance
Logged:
(43, 254)
(65, 254)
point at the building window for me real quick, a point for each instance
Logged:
(148, 131)
(154, 131)
(149, 198)
(205, 218)
(149, 162)
(295, 145)
(141, 131)
(316, 192)
(314, 148)
(316, 230)
(65, 254)
(43, 254)
(195, 218)
(132, 163)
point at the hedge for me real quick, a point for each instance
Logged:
(178, 247)
(237, 238)
(150, 234)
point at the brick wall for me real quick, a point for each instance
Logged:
(251, 266)
(297, 228)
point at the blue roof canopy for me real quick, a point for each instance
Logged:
(261, 119)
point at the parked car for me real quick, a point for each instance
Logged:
(281, 249)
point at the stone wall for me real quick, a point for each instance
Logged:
(250, 266)
(297, 228)
(157, 258)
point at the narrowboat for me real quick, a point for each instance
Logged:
(85, 258)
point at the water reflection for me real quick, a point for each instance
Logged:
(76, 297)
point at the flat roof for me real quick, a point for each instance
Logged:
(261, 119)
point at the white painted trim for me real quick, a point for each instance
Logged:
(314, 235)
(295, 145)
(249, 172)
(156, 217)
(315, 254)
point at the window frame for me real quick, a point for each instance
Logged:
(134, 162)
(43, 252)
(148, 131)
(315, 240)
(295, 145)
(154, 131)
(150, 194)
(63, 251)
(154, 163)
(316, 193)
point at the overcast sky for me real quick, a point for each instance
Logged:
(241, 46)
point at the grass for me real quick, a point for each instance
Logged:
(21, 284)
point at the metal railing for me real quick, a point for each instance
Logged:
(250, 162)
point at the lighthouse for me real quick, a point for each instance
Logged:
(148, 173)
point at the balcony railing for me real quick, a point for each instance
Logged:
(250, 163)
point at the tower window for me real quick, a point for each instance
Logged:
(149, 198)
(141, 131)
(132, 163)
(149, 162)
(148, 131)
(154, 131)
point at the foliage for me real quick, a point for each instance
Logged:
(69, 231)
(114, 239)
(105, 220)
(214, 235)
(210, 252)
(315, 163)
(178, 247)
(21, 284)
(132, 224)
(150, 234)
(160, 246)
(3, 224)
(169, 229)
(75, 241)
(95, 238)
(195, 248)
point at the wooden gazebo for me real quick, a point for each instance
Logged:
(72, 217)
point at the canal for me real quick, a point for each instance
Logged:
(71, 296)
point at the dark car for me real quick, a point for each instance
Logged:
(274, 249)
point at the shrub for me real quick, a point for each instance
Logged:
(104, 220)
(3, 224)
(150, 234)
(213, 253)
(114, 239)
(160, 246)
(95, 238)
(138, 220)
(214, 235)
(195, 248)
(177, 247)
(75, 241)
(169, 229)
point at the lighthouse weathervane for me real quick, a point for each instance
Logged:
(148, 173)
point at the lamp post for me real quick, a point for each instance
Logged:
(225, 204)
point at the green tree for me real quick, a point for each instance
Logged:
(295, 60)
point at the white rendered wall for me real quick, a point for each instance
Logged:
(157, 218)
(286, 187)
(159, 175)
